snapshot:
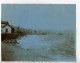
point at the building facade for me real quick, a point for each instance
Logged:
(6, 27)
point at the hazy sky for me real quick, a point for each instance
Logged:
(41, 16)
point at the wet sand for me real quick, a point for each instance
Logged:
(60, 50)
(12, 52)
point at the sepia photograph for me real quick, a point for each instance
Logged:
(38, 32)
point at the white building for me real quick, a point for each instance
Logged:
(6, 28)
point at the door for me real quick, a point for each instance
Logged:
(6, 30)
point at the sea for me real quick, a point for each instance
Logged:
(53, 47)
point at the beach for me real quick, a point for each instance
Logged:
(40, 48)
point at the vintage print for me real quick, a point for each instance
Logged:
(38, 32)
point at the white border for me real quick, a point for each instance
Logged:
(39, 1)
(78, 31)
(52, 2)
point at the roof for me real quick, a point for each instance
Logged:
(8, 25)
(4, 22)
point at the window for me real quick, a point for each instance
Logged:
(6, 30)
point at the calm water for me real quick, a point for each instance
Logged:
(54, 47)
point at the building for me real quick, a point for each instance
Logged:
(6, 27)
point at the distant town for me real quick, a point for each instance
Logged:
(12, 32)
(8, 29)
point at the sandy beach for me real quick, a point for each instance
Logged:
(11, 52)
(40, 48)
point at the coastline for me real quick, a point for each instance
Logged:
(12, 52)
(60, 50)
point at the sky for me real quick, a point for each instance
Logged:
(40, 16)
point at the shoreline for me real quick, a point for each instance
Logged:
(63, 50)
(12, 52)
